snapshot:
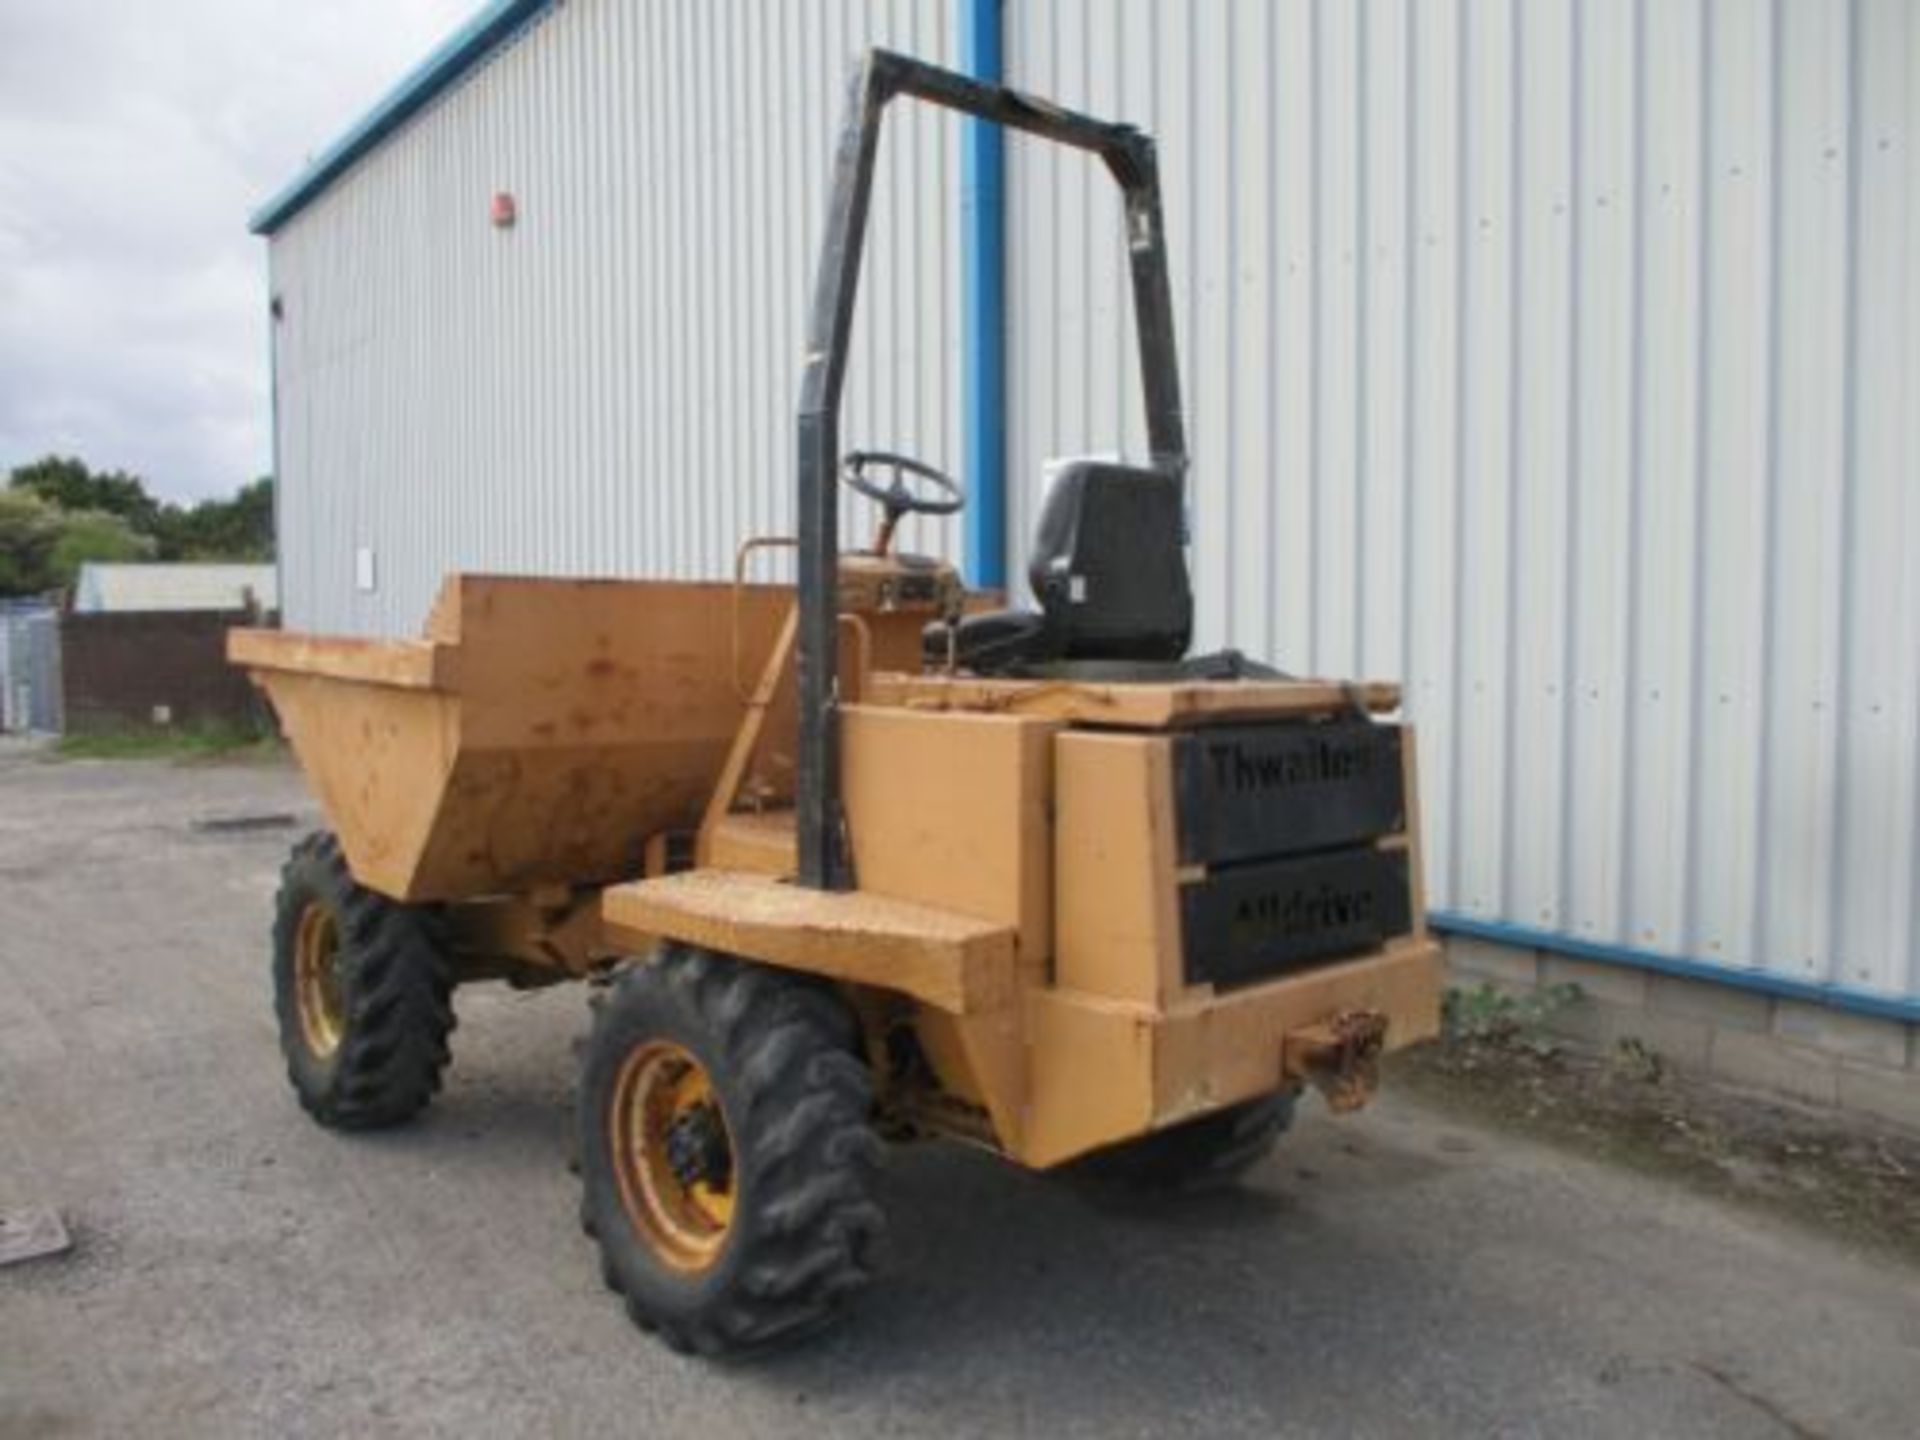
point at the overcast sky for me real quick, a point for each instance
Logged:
(135, 138)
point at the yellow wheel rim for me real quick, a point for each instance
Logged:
(673, 1154)
(316, 980)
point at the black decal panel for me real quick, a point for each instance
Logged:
(1255, 922)
(1243, 791)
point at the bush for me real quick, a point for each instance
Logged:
(1486, 1015)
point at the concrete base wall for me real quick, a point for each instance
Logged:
(1808, 1052)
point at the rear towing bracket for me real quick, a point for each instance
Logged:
(1339, 1057)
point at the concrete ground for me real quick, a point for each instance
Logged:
(239, 1271)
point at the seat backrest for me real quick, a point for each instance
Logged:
(1109, 564)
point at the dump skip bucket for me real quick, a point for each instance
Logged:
(539, 733)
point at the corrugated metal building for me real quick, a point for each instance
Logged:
(1561, 357)
(29, 667)
(104, 587)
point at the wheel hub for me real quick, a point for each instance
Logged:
(672, 1154)
(697, 1148)
(318, 995)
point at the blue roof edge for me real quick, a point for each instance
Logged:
(456, 57)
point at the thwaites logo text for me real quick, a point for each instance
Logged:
(1244, 769)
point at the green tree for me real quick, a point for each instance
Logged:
(236, 529)
(68, 484)
(240, 528)
(29, 529)
(95, 535)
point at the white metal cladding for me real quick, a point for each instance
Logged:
(608, 387)
(1559, 356)
(1562, 357)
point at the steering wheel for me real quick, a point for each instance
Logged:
(900, 498)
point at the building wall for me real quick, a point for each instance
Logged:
(607, 388)
(29, 666)
(1561, 357)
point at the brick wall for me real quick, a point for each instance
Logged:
(124, 671)
(1814, 1053)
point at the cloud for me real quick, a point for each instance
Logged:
(135, 139)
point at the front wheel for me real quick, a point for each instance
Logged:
(726, 1151)
(362, 989)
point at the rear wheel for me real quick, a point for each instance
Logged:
(362, 990)
(726, 1151)
(1211, 1153)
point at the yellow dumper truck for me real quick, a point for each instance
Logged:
(862, 858)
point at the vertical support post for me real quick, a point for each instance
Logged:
(983, 304)
(823, 857)
(1137, 169)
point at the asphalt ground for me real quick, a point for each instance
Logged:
(238, 1271)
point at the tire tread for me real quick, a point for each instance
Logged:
(805, 1146)
(394, 1049)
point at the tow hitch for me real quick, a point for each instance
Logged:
(1339, 1057)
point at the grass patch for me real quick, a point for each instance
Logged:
(180, 743)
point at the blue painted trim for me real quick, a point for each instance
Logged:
(983, 310)
(472, 43)
(1763, 982)
(273, 415)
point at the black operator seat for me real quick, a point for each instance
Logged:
(1109, 568)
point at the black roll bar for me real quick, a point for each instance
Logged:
(1129, 156)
